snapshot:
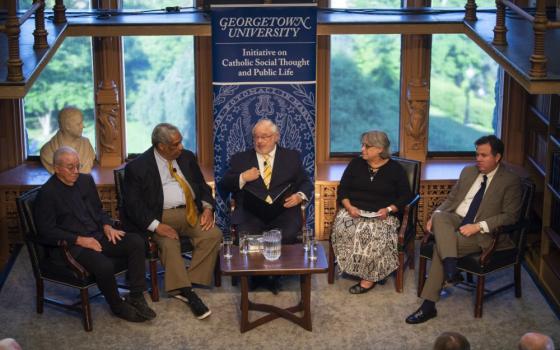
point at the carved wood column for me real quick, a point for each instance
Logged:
(415, 92)
(514, 116)
(109, 96)
(12, 134)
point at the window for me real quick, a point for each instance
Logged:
(154, 4)
(365, 83)
(69, 4)
(357, 4)
(159, 84)
(464, 86)
(66, 81)
(461, 3)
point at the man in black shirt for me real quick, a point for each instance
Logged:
(68, 208)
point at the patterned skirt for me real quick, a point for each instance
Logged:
(365, 247)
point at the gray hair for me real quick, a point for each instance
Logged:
(535, 341)
(376, 138)
(62, 151)
(266, 122)
(162, 133)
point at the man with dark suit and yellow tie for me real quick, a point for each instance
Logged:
(265, 173)
(165, 193)
(485, 197)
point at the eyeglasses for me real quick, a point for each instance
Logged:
(71, 167)
(366, 146)
(262, 137)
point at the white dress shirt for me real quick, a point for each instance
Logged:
(463, 207)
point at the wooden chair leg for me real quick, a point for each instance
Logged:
(411, 254)
(400, 274)
(330, 273)
(479, 297)
(517, 279)
(421, 275)
(86, 310)
(217, 272)
(40, 295)
(154, 294)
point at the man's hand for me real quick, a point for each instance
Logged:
(293, 200)
(113, 235)
(89, 243)
(207, 219)
(250, 175)
(429, 225)
(166, 231)
(469, 229)
(353, 211)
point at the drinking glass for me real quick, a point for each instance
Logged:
(307, 234)
(312, 254)
(244, 242)
(227, 244)
(272, 241)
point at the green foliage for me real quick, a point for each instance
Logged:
(364, 93)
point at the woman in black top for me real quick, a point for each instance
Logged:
(372, 188)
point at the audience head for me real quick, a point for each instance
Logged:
(451, 341)
(265, 136)
(489, 151)
(167, 140)
(375, 143)
(535, 341)
(9, 344)
(71, 122)
(66, 165)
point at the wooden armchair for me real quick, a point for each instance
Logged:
(55, 264)
(407, 230)
(490, 260)
(152, 250)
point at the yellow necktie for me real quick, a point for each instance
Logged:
(190, 210)
(267, 175)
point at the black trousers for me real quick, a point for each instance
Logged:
(289, 222)
(131, 247)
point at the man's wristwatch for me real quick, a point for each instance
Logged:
(480, 228)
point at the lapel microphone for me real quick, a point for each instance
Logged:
(174, 170)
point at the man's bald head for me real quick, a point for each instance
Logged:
(535, 341)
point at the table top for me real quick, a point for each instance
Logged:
(292, 261)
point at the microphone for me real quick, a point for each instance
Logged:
(265, 163)
(174, 170)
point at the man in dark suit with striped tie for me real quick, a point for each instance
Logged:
(485, 197)
(264, 173)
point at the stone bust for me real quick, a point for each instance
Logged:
(70, 127)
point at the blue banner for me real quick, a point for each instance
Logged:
(263, 67)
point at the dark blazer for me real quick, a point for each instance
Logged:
(55, 216)
(501, 203)
(287, 169)
(143, 191)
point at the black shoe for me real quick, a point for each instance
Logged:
(198, 308)
(421, 316)
(358, 289)
(127, 312)
(274, 285)
(453, 281)
(140, 304)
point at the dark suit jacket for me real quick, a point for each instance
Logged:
(287, 169)
(143, 191)
(501, 203)
(56, 218)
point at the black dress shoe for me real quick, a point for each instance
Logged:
(420, 316)
(274, 284)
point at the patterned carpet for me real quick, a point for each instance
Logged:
(340, 321)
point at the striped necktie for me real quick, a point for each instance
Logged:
(190, 210)
(267, 175)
